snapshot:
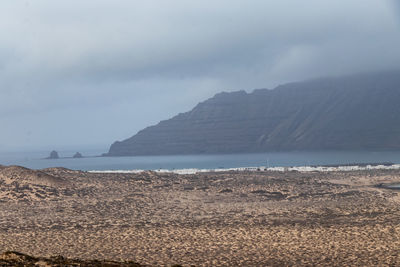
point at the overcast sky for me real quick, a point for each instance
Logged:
(79, 74)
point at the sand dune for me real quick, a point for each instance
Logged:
(19, 183)
(21, 175)
(208, 219)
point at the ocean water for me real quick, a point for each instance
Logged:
(35, 160)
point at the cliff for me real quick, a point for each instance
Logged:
(359, 112)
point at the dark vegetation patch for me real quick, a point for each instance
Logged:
(346, 194)
(13, 258)
(226, 190)
(391, 186)
(268, 194)
(188, 188)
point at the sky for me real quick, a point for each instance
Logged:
(83, 74)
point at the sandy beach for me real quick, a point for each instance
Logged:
(234, 218)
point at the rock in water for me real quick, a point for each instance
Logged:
(53, 155)
(77, 155)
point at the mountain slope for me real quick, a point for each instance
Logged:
(360, 112)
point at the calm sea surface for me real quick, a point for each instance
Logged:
(35, 160)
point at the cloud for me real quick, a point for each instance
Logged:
(164, 56)
(396, 7)
(137, 39)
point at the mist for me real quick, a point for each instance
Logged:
(75, 74)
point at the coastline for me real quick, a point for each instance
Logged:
(323, 168)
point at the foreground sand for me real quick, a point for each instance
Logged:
(208, 219)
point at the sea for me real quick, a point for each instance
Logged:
(93, 162)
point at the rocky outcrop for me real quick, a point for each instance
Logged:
(53, 155)
(77, 155)
(13, 258)
(359, 112)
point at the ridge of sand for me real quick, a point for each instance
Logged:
(23, 184)
(24, 175)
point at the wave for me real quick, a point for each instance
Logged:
(362, 167)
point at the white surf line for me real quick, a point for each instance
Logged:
(263, 168)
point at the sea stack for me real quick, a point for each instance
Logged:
(77, 155)
(53, 155)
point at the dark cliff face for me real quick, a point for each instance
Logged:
(360, 112)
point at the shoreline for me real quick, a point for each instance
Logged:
(322, 168)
